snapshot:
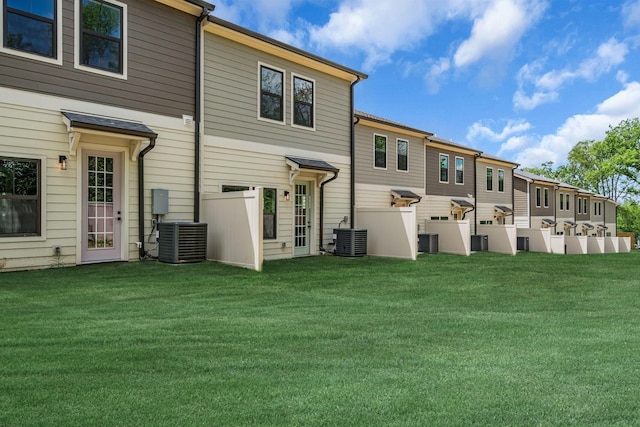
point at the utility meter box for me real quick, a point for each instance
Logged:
(159, 201)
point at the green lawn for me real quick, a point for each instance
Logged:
(535, 339)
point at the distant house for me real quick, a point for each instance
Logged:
(279, 119)
(94, 113)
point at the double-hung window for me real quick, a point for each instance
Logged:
(459, 170)
(380, 151)
(271, 94)
(403, 155)
(444, 168)
(500, 181)
(566, 201)
(489, 179)
(303, 102)
(561, 201)
(102, 33)
(19, 197)
(32, 28)
(546, 197)
(538, 197)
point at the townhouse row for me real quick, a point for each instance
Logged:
(117, 116)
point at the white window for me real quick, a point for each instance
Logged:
(32, 29)
(271, 92)
(459, 170)
(101, 37)
(489, 179)
(538, 197)
(403, 155)
(500, 181)
(379, 151)
(546, 197)
(303, 96)
(444, 168)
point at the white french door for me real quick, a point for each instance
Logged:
(101, 206)
(302, 219)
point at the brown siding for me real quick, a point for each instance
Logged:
(520, 197)
(366, 173)
(433, 185)
(161, 64)
(547, 212)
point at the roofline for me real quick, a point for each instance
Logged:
(452, 145)
(362, 116)
(278, 44)
(192, 7)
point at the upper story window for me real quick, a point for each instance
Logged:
(585, 206)
(489, 179)
(459, 170)
(561, 201)
(546, 197)
(566, 201)
(579, 205)
(19, 197)
(32, 29)
(500, 181)
(380, 151)
(403, 155)
(303, 102)
(271, 93)
(444, 168)
(538, 197)
(101, 37)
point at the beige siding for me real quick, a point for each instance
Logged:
(365, 171)
(33, 128)
(234, 162)
(520, 197)
(610, 218)
(161, 64)
(231, 101)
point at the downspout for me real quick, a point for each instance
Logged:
(352, 188)
(152, 143)
(322, 206)
(475, 192)
(555, 208)
(198, 118)
(513, 195)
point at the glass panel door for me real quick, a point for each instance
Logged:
(101, 207)
(302, 219)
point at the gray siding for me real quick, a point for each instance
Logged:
(161, 64)
(520, 197)
(367, 174)
(496, 197)
(581, 215)
(231, 100)
(433, 185)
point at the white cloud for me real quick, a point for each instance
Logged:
(265, 15)
(609, 55)
(515, 143)
(496, 32)
(555, 147)
(631, 14)
(435, 73)
(480, 131)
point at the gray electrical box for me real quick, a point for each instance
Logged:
(159, 201)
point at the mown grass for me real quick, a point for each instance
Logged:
(535, 339)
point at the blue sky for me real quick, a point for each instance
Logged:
(521, 79)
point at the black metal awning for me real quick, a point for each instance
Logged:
(107, 124)
(570, 223)
(311, 164)
(461, 203)
(548, 222)
(587, 225)
(404, 194)
(504, 210)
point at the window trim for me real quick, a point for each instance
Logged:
(456, 170)
(546, 197)
(259, 94)
(538, 197)
(313, 104)
(440, 168)
(43, 201)
(398, 141)
(501, 181)
(386, 151)
(57, 59)
(78, 37)
(489, 188)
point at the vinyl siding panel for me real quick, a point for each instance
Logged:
(542, 211)
(451, 189)
(161, 64)
(264, 165)
(34, 129)
(520, 197)
(364, 153)
(231, 101)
